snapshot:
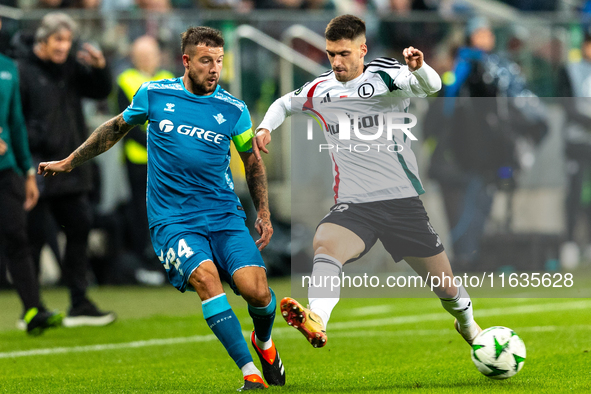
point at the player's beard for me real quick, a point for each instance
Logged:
(201, 87)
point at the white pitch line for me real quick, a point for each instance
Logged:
(536, 308)
(109, 346)
(371, 310)
(513, 310)
(382, 309)
(446, 331)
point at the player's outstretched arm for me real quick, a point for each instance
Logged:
(276, 114)
(256, 178)
(101, 140)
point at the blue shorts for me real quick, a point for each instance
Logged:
(221, 238)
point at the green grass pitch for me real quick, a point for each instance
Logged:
(161, 344)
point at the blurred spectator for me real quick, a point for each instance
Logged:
(159, 6)
(476, 145)
(295, 4)
(87, 4)
(116, 5)
(236, 5)
(533, 5)
(161, 24)
(449, 8)
(318, 5)
(404, 6)
(18, 195)
(145, 57)
(94, 25)
(399, 7)
(575, 81)
(395, 36)
(52, 85)
(55, 4)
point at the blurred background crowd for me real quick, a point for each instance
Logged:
(509, 197)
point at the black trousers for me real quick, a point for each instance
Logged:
(138, 226)
(13, 239)
(73, 214)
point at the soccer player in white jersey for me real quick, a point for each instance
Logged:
(379, 202)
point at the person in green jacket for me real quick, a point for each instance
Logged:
(17, 196)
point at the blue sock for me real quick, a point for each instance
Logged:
(225, 325)
(263, 317)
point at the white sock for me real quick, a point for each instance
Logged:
(323, 307)
(321, 297)
(263, 345)
(460, 307)
(250, 369)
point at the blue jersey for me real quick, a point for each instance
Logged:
(189, 149)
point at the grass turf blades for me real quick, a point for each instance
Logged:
(161, 344)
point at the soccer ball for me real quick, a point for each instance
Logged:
(498, 352)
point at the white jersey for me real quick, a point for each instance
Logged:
(382, 173)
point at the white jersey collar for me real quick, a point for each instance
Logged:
(352, 82)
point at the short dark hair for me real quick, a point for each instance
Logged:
(347, 27)
(201, 35)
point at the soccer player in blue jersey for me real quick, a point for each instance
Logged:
(196, 219)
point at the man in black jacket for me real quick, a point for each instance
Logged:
(52, 85)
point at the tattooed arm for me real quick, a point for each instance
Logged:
(256, 178)
(101, 140)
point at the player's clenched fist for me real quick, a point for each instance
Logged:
(413, 58)
(53, 167)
